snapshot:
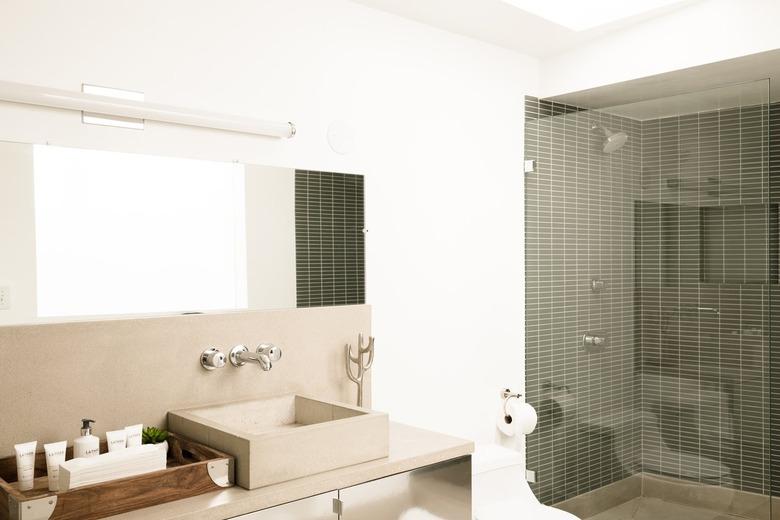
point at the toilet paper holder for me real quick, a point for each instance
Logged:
(507, 394)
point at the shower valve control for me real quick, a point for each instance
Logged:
(594, 341)
(597, 285)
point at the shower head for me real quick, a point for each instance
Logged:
(614, 140)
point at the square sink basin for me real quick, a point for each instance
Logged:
(286, 437)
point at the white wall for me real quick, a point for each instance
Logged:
(704, 32)
(440, 126)
(17, 231)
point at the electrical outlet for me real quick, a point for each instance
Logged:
(530, 476)
(5, 297)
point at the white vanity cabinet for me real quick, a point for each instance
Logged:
(319, 507)
(441, 491)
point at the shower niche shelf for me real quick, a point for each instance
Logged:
(714, 245)
(738, 244)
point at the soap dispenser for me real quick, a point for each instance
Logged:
(87, 445)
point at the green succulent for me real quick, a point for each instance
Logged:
(152, 435)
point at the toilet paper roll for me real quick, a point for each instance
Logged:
(506, 428)
(522, 419)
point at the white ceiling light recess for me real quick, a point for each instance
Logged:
(581, 15)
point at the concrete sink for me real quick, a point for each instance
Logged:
(286, 437)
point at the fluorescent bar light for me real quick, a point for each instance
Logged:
(109, 106)
(120, 122)
(118, 93)
(580, 15)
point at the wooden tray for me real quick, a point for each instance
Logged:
(193, 469)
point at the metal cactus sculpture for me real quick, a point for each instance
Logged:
(362, 365)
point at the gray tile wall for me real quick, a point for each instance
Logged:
(329, 239)
(580, 225)
(774, 302)
(701, 244)
(677, 221)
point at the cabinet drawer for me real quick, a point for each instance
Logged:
(319, 507)
(439, 491)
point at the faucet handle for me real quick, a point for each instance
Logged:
(273, 352)
(268, 354)
(212, 358)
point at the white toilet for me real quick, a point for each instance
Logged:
(500, 491)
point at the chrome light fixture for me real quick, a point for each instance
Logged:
(127, 108)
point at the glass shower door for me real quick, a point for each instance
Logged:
(706, 260)
(651, 288)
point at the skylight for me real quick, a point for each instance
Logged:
(580, 15)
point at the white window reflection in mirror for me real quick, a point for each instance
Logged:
(96, 234)
(119, 233)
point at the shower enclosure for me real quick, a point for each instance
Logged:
(651, 273)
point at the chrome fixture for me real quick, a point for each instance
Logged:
(212, 358)
(594, 341)
(128, 108)
(265, 355)
(37, 508)
(686, 311)
(362, 366)
(221, 472)
(614, 140)
(507, 394)
(597, 285)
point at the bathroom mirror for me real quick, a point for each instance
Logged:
(95, 234)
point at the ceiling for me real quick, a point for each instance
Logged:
(499, 23)
(673, 93)
(723, 84)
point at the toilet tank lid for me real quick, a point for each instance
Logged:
(490, 457)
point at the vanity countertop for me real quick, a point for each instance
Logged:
(410, 448)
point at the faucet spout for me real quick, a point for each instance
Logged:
(265, 356)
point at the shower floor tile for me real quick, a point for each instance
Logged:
(657, 509)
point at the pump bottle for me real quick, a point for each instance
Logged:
(87, 445)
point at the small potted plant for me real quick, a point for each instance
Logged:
(152, 435)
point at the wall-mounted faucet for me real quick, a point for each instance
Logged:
(265, 355)
(212, 358)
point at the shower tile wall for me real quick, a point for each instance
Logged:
(579, 226)
(774, 303)
(681, 226)
(329, 239)
(702, 273)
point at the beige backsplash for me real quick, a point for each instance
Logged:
(129, 371)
